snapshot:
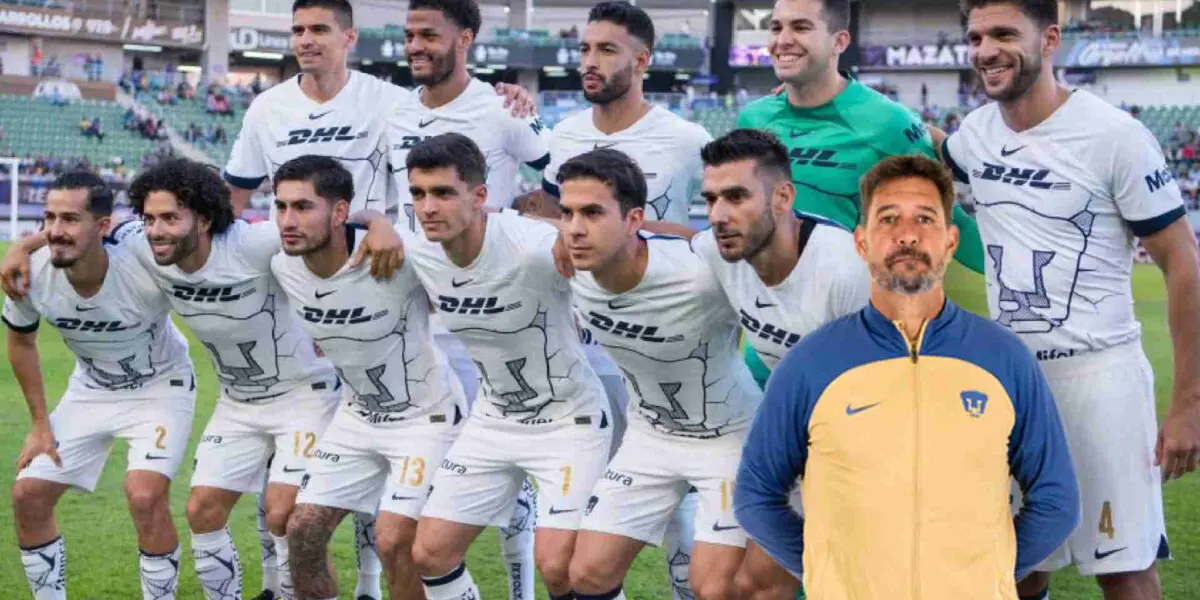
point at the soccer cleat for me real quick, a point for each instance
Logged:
(366, 597)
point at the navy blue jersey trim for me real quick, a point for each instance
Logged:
(1151, 226)
(245, 183)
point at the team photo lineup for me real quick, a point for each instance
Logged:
(791, 397)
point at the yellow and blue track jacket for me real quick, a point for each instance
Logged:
(905, 451)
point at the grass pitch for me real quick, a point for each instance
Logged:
(102, 549)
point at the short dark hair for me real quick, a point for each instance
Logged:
(450, 150)
(342, 11)
(768, 153)
(464, 13)
(100, 196)
(328, 177)
(904, 166)
(614, 169)
(632, 18)
(837, 14)
(196, 186)
(1042, 12)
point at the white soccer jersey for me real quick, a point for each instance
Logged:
(122, 337)
(828, 282)
(675, 338)
(283, 123)
(376, 334)
(235, 308)
(665, 145)
(512, 311)
(478, 113)
(1058, 208)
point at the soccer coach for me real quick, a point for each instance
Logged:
(905, 421)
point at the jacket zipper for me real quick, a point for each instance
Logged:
(914, 351)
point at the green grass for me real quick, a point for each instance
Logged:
(102, 548)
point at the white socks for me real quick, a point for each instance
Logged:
(369, 567)
(455, 585)
(217, 565)
(160, 574)
(516, 542)
(283, 570)
(270, 572)
(45, 568)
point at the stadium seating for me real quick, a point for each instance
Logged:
(185, 112)
(532, 37)
(34, 126)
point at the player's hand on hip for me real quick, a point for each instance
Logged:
(517, 99)
(1178, 448)
(385, 248)
(39, 441)
(14, 272)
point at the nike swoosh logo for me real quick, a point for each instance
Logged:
(458, 284)
(795, 133)
(79, 308)
(399, 497)
(613, 305)
(599, 146)
(315, 116)
(423, 123)
(850, 410)
(1006, 152)
(760, 304)
(152, 457)
(291, 470)
(320, 295)
(1103, 555)
(719, 527)
(555, 511)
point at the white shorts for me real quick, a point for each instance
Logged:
(156, 422)
(1106, 402)
(651, 474)
(359, 466)
(241, 438)
(481, 475)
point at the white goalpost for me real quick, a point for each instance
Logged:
(14, 173)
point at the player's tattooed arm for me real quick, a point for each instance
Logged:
(382, 244)
(14, 271)
(537, 203)
(517, 99)
(1174, 250)
(26, 366)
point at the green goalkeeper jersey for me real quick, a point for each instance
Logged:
(833, 145)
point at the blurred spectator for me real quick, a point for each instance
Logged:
(256, 86)
(57, 99)
(925, 94)
(1187, 152)
(1, 134)
(92, 128)
(1178, 134)
(951, 124)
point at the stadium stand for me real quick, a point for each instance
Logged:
(35, 126)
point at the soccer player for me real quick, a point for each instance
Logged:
(133, 381)
(660, 312)
(405, 405)
(1064, 183)
(787, 274)
(904, 422)
(541, 412)
(439, 35)
(614, 54)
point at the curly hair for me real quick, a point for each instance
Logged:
(196, 186)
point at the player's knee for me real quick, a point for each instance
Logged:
(706, 586)
(205, 513)
(144, 501)
(756, 585)
(555, 569)
(431, 558)
(590, 576)
(30, 501)
(1133, 584)
(278, 517)
(395, 544)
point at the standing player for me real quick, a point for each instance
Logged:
(328, 110)
(786, 274)
(614, 54)
(1064, 182)
(405, 406)
(660, 312)
(132, 381)
(439, 34)
(541, 413)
